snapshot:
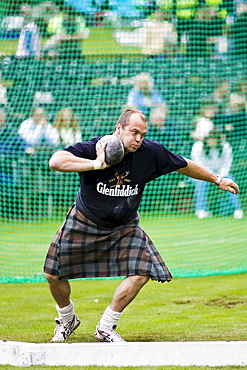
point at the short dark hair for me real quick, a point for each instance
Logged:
(124, 118)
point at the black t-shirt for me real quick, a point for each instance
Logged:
(113, 195)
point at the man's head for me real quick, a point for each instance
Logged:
(39, 115)
(144, 82)
(131, 129)
(158, 115)
(27, 12)
(3, 117)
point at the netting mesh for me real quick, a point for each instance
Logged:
(68, 70)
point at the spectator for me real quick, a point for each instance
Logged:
(68, 127)
(221, 96)
(29, 41)
(239, 96)
(68, 29)
(37, 131)
(144, 96)
(203, 121)
(214, 154)
(3, 91)
(11, 147)
(10, 141)
(3, 94)
(238, 32)
(163, 128)
(5, 132)
(203, 32)
(159, 35)
(213, 111)
(235, 121)
(231, 105)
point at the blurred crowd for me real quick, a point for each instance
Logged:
(216, 133)
(161, 28)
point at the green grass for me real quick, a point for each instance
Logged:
(7, 367)
(189, 246)
(187, 309)
(208, 308)
(100, 41)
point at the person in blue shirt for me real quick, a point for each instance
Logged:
(12, 146)
(144, 95)
(101, 235)
(163, 128)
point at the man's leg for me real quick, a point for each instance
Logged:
(127, 291)
(124, 294)
(59, 289)
(67, 321)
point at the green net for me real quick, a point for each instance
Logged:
(68, 70)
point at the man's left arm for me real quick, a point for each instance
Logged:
(200, 173)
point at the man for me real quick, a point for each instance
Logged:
(101, 235)
(145, 96)
(36, 129)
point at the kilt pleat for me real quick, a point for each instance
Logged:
(82, 249)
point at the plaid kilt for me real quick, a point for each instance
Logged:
(82, 249)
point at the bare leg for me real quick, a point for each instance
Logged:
(60, 290)
(127, 291)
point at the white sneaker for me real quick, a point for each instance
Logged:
(108, 335)
(63, 330)
(201, 213)
(238, 213)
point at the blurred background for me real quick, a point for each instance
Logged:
(68, 69)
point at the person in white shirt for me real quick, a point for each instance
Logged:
(30, 40)
(159, 35)
(215, 154)
(36, 130)
(203, 120)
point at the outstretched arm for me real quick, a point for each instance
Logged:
(64, 161)
(197, 172)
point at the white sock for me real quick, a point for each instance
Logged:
(109, 319)
(66, 313)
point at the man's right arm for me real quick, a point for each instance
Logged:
(64, 161)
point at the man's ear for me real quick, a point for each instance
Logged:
(118, 129)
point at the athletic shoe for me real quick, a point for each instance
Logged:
(108, 335)
(63, 330)
(238, 213)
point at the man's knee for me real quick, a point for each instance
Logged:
(52, 279)
(139, 279)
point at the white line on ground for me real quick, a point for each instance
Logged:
(124, 354)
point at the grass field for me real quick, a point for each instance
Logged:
(189, 246)
(187, 309)
(8, 367)
(100, 41)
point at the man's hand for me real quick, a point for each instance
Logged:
(229, 185)
(100, 151)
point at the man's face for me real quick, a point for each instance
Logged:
(2, 119)
(133, 134)
(144, 87)
(39, 115)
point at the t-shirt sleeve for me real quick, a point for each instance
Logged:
(173, 162)
(85, 149)
(165, 160)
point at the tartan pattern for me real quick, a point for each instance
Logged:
(82, 249)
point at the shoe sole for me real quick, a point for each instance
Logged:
(100, 338)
